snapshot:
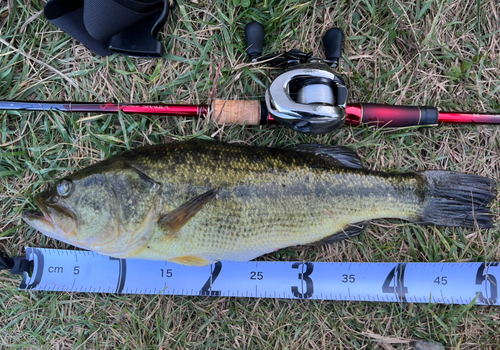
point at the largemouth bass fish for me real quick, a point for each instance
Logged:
(198, 202)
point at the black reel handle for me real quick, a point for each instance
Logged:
(333, 40)
(254, 36)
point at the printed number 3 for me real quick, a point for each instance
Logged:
(304, 277)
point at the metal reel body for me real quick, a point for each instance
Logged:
(308, 97)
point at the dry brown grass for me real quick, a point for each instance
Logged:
(392, 55)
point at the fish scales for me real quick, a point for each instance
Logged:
(269, 198)
(199, 202)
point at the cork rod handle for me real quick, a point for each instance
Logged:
(236, 112)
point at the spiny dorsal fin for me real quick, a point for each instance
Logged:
(350, 231)
(341, 156)
(176, 219)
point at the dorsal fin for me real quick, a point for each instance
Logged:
(177, 218)
(339, 155)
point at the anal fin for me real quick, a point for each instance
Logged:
(348, 232)
(190, 260)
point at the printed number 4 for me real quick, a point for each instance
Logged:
(397, 275)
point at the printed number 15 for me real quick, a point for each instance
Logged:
(168, 273)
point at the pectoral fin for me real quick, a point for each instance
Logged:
(176, 219)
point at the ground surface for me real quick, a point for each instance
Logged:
(434, 52)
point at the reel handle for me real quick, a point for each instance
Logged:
(333, 40)
(254, 37)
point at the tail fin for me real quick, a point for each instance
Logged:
(456, 199)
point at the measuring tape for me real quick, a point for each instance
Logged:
(445, 283)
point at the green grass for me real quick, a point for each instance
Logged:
(444, 53)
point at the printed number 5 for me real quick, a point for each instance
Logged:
(491, 280)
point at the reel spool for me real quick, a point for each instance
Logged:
(309, 96)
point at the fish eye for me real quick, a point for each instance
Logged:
(64, 187)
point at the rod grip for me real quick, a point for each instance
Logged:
(246, 112)
(391, 115)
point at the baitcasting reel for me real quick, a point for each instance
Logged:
(309, 96)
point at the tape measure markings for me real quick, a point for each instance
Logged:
(84, 271)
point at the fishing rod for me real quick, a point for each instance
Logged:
(250, 113)
(309, 97)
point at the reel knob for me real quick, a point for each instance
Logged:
(254, 37)
(308, 98)
(333, 40)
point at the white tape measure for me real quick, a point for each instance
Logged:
(446, 283)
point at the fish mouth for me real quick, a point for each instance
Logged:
(45, 223)
(32, 214)
(40, 221)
